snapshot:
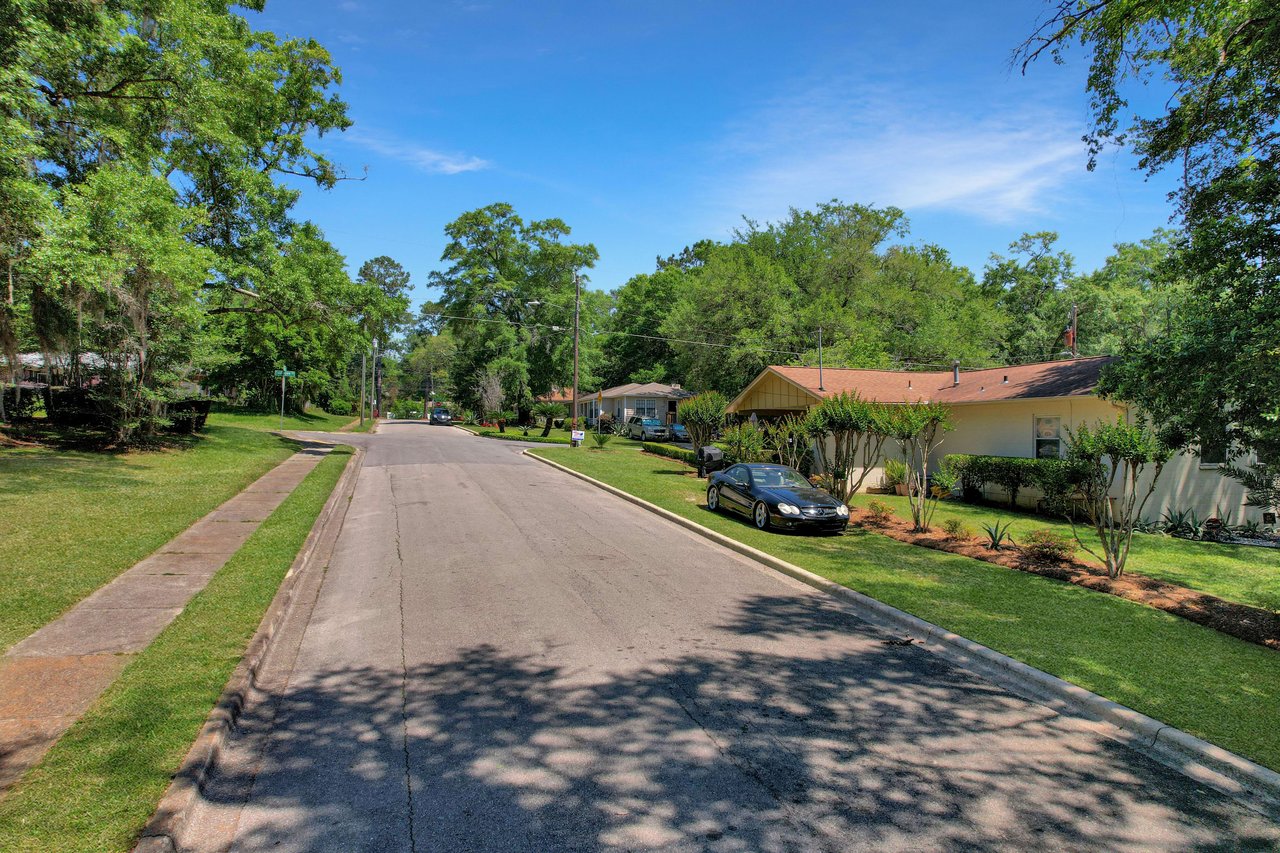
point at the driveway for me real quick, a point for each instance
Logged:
(504, 658)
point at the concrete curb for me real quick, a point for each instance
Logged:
(164, 830)
(1207, 764)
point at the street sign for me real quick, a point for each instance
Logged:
(288, 373)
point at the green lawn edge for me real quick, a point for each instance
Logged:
(72, 521)
(536, 438)
(98, 786)
(1191, 677)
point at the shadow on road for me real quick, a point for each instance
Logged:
(748, 750)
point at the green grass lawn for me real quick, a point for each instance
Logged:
(100, 783)
(314, 420)
(71, 521)
(1240, 573)
(514, 434)
(1189, 676)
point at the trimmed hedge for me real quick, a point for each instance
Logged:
(671, 452)
(1057, 478)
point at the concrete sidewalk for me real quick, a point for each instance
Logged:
(49, 679)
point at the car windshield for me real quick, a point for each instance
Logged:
(652, 422)
(779, 478)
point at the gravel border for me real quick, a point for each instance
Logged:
(1250, 783)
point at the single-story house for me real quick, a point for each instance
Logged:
(1020, 410)
(560, 396)
(645, 400)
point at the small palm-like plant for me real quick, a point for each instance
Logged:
(998, 535)
(548, 412)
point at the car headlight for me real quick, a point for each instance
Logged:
(788, 509)
(842, 511)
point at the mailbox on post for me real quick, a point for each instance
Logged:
(709, 459)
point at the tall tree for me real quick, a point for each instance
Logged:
(1216, 371)
(507, 297)
(1028, 287)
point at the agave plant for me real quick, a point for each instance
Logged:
(998, 535)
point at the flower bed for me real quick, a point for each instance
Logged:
(1253, 624)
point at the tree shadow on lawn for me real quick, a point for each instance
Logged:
(734, 746)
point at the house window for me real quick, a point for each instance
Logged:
(646, 408)
(1048, 437)
(1212, 454)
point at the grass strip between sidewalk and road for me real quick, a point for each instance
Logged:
(98, 786)
(1209, 684)
(514, 434)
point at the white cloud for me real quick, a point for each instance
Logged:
(887, 147)
(426, 159)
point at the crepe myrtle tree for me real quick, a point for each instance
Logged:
(702, 416)
(858, 429)
(917, 429)
(790, 440)
(1112, 458)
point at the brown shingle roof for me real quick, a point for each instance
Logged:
(1070, 378)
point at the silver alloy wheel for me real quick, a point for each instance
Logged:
(713, 498)
(761, 515)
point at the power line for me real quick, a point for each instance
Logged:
(623, 334)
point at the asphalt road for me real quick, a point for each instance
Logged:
(504, 658)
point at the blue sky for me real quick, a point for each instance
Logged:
(649, 124)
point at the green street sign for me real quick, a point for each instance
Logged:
(288, 373)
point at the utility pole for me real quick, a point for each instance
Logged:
(820, 388)
(577, 301)
(374, 401)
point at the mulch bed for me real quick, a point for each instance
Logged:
(1252, 624)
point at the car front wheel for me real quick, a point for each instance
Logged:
(713, 498)
(761, 515)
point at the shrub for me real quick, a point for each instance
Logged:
(19, 404)
(601, 439)
(702, 416)
(337, 406)
(744, 443)
(879, 512)
(944, 481)
(1057, 478)
(895, 473)
(956, 529)
(667, 450)
(1046, 546)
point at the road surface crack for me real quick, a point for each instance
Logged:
(404, 667)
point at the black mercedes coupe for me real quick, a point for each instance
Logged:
(776, 496)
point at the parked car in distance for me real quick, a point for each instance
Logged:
(775, 496)
(647, 429)
(441, 416)
(679, 433)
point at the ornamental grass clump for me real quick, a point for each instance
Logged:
(956, 529)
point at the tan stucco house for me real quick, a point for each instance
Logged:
(1022, 410)
(646, 400)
